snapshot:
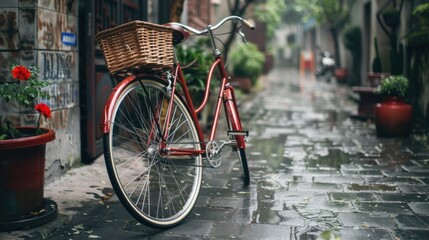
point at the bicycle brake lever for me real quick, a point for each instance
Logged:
(243, 36)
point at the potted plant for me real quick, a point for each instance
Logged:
(422, 12)
(352, 41)
(393, 116)
(22, 151)
(247, 63)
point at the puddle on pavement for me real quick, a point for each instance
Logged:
(328, 158)
(371, 187)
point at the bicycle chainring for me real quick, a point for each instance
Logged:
(214, 156)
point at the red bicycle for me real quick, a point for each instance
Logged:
(153, 143)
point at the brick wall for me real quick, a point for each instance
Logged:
(199, 13)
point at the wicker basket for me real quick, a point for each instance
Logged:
(137, 45)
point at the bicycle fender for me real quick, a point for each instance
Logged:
(113, 98)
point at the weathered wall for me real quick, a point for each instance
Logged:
(42, 33)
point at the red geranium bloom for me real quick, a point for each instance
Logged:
(43, 109)
(21, 73)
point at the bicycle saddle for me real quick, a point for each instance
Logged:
(179, 34)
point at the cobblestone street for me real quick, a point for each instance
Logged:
(313, 169)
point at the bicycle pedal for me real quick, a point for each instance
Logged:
(238, 133)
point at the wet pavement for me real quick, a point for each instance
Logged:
(313, 169)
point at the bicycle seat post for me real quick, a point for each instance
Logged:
(216, 51)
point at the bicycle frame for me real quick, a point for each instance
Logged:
(226, 96)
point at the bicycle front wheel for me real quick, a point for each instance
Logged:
(158, 190)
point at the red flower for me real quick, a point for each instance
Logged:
(43, 109)
(21, 73)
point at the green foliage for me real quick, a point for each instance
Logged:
(247, 61)
(7, 131)
(395, 85)
(352, 39)
(270, 13)
(422, 9)
(25, 93)
(332, 13)
(197, 62)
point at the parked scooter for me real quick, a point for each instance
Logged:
(325, 68)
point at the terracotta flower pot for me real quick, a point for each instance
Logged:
(22, 168)
(375, 78)
(393, 118)
(341, 74)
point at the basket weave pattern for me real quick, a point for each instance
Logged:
(137, 45)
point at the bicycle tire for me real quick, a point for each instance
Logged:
(232, 110)
(244, 165)
(156, 190)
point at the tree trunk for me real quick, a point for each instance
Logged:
(334, 34)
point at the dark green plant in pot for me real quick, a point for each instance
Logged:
(247, 61)
(353, 43)
(422, 12)
(395, 86)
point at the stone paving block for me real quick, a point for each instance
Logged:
(425, 220)
(191, 228)
(403, 197)
(410, 222)
(202, 201)
(250, 231)
(218, 214)
(337, 179)
(239, 203)
(326, 204)
(424, 180)
(291, 218)
(383, 207)
(293, 199)
(320, 218)
(352, 196)
(271, 204)
(367, 234)
(409, 188)
(362, 173)
(370, 187)
(365, 221)
(266, 217)
(411, 234)
(318, 187)
(225, 192)
(403, 173)
(421, 208)
(393, 180)
(416, 169)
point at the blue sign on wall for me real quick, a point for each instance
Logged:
(68, 38)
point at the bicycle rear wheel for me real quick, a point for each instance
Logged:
(158, 190)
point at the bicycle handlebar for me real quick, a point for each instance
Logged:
(212, 28)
